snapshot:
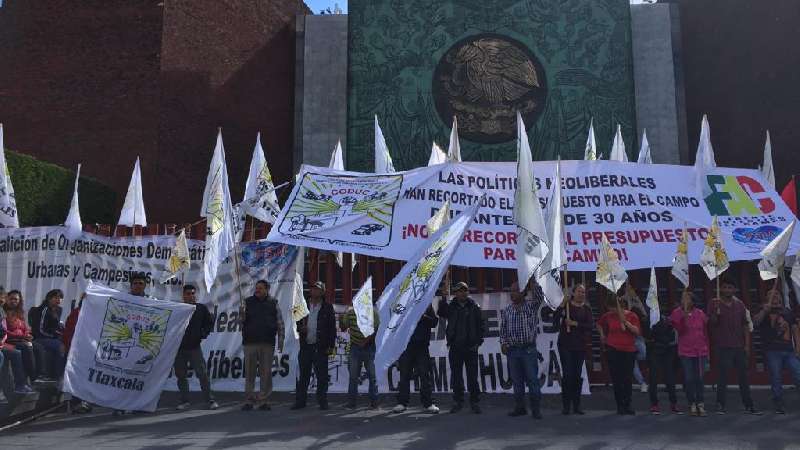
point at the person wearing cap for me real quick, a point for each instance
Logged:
(519, 324)
(190, 354)
(317, 339)
(362, 352)
(465, 331)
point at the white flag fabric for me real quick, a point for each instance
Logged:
(179, 259)
(73, 224)
(680, 263)
(704, 160)
(260, 200)
(590, 153)
(532, 235)
(133, 209)
(299, 305)
(610, 272)
(767, 170)
(408, 295)
(773, 256)
(549, 277)
(218, 211)
(618, 147)
(124, 348)
(362, 305)
(440, 218)
(714, 259)
(652, 298)
(454, 150)
(437, 155)
(337, 157)
(644, 152)
(9, 216)
(383, 160)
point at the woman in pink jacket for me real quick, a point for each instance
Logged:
(690, 323)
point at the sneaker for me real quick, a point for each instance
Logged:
(433, 409)
(701, 410)
(212, 405)
(644, 388)
(675, 409)
(24, 390)
(247, 407)
(475, 408)
(399, 408)
(655, 410)
(753, 411)
(780, 410)
(721, 410)
(183, 405)
(265, 407)
(693, 410)
(82, 408)
(456, 408)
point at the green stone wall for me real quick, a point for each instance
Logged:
(579, 52)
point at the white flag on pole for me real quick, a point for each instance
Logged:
(590, 153)
(773, 256)
(610, 272)
(680, 263)
(549, 277)
(383, 160)
(714, 259)
(652, 299)
(532, 235)
(133, 210)
(440, 218)
(299, 305)
(644, 152)
(337, 157)
(437, 155)
(454, 150)
(704, 160)
(409, 294)
(218, 211)
(260, 200)
(73, 224)
(767, 170)
(362, 305)
(9, 216)
(179, 259)
(618, 147)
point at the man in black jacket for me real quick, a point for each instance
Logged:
(200, 326)
(465, 330)
(261, 322)
(317, 338)
(417, 357)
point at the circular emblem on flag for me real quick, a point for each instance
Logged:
(484, 80)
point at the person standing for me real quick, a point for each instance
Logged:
(519, 324)
(362, 352)
(663, 345)
(574, 337)
(730, 329)
(317, 339)
(465, 331)
(417, 358)
(77, 405)
(261, 323)
(138, 286)
(636, 306)
(780, 335)
(189, 353)
(619, 328)
(691, 325)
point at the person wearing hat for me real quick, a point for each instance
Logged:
(465, 331)
(317, 338)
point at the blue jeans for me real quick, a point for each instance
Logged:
(693, 377)
(523, 365)
(358, 356)
(55, 349)
(776, 361)
(641, 355)
(15, 361)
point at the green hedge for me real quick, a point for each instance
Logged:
(44, 193)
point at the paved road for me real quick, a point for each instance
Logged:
(281, 428)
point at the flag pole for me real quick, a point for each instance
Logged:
(566, 288)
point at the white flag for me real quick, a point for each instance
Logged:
(773, 256)
(652, 298)
(767, 170)
(549, 277)
(260, 200)
(704, 160)
(218, 211)
(409, 294)
(440, 218)
(714, 259)
(454, 150)
(133, 209)
(124, 348)
(610, 272)
(590, 153)
(383, 160)
(299, 305)
(644, 152)
(362, 304)
(680, 263)
(9, 216)
(618, 147)
(437, 156)
(337, 157)
(532, 234)
(73, 224)
(179, 259)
